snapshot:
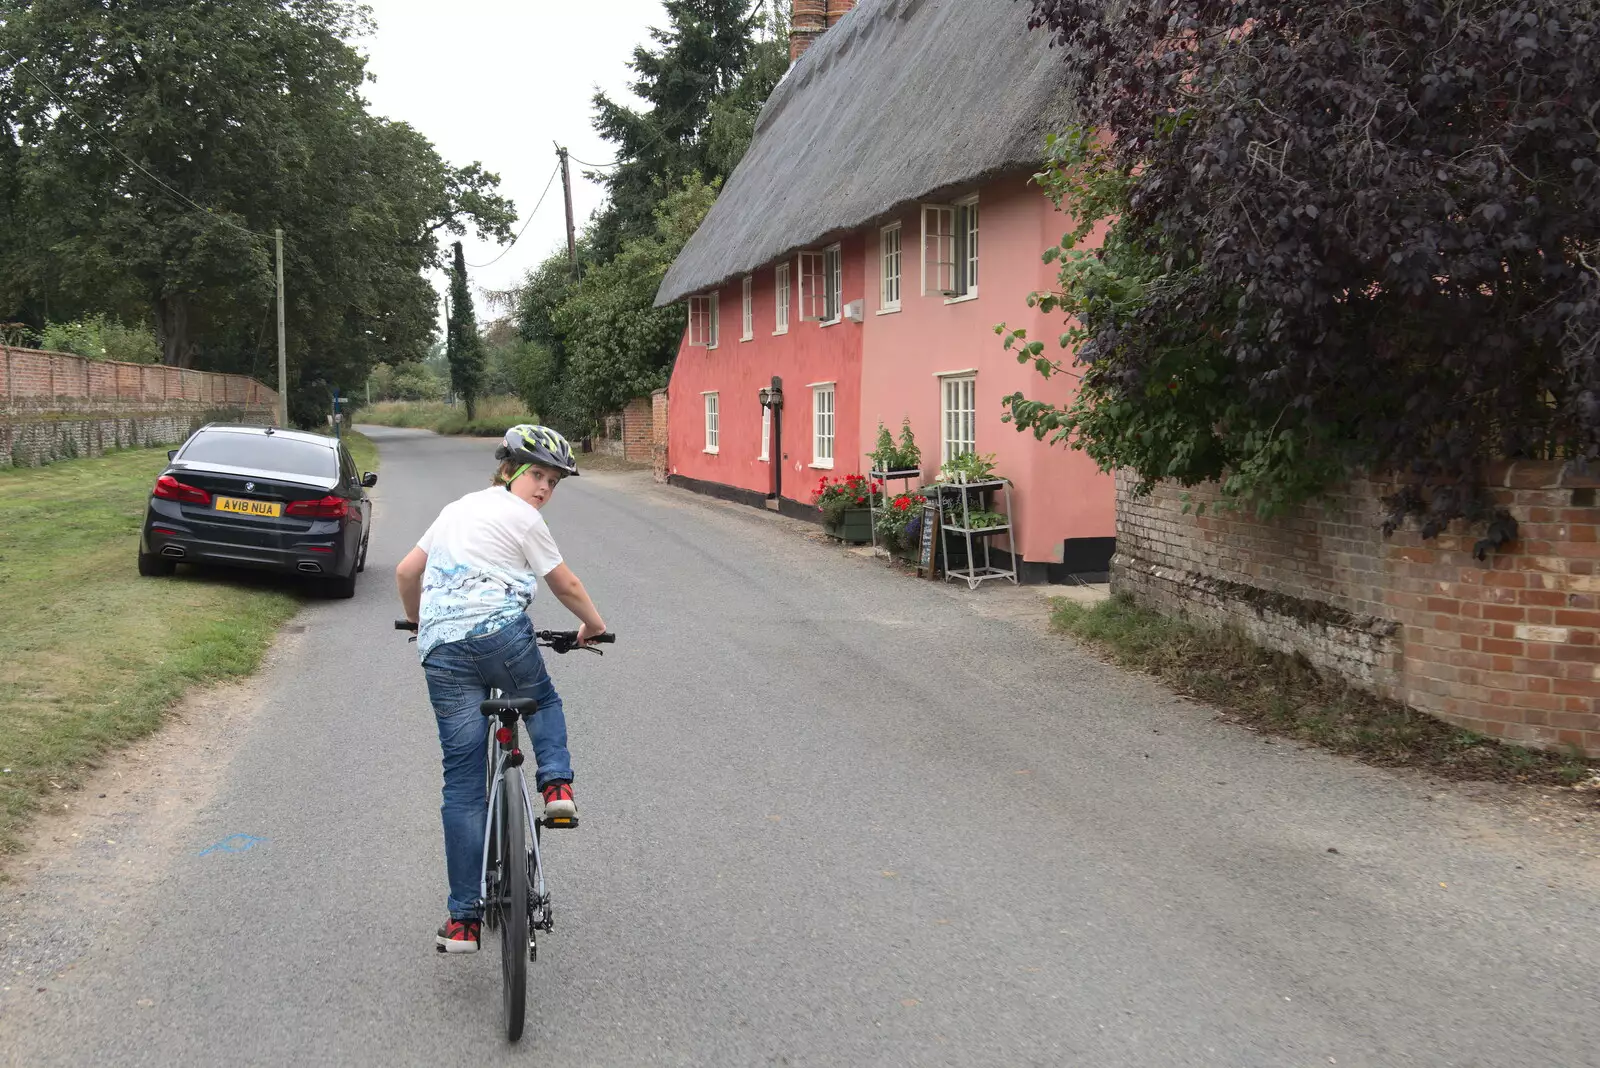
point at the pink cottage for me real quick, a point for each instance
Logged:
(881, 225)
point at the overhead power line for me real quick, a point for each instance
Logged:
(596, 166)
(525, 222)
(18, 64)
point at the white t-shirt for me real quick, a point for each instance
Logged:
(486, 553)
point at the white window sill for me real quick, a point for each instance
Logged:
(831, 322)
(763, 459)
(713, 348)
(821, 465)
(962, 300)
(752, 337)
(895, 310)
(710, 452)
(780, 333)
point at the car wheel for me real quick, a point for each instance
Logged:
(361, 561)
(153, 566)
(341, 588)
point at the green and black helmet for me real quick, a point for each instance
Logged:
(528, 444)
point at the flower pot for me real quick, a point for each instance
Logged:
(854, 527)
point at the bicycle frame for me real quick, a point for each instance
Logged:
(498, 754)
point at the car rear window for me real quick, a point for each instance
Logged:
(263, 452)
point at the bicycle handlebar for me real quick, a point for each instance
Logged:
(562, 641)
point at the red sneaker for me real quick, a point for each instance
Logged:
(458, 936)
(558, 802)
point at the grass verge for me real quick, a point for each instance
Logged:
(1284, 695)
(92, 655)
(362, 450)
(494, 415)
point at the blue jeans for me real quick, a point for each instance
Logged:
(460, 675)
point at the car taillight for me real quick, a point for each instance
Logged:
(326, 508)
(170, 489)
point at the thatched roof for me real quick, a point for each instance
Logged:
(902, 100)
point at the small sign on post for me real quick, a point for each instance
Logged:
(930, 531)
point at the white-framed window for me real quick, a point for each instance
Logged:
(833, 283)
(822, 424)
(821, 278)
(959, 416)
(766, 435)
(711, 421)
(950, 249)
(890, 262)
(703, 320)
(748, 331)
(780, 285)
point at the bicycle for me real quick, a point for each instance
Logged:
(516, 900)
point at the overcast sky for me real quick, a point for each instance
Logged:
(500, 81)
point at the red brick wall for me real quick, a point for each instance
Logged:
(54, 405)
(1509, 646)
(658, 434)
(30, 378)
(638, 430)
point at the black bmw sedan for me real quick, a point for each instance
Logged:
(260, 497)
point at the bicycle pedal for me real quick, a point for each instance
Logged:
(559, 823)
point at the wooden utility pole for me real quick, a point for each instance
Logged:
(283, 351)
(566, 188)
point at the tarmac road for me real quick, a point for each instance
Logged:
(830, 816)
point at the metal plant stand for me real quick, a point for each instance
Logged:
(873, 505)
(966, 533)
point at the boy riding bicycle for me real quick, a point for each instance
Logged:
(468, 584)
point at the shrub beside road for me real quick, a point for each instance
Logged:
(494, 415)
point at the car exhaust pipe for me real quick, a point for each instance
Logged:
(172, 550)
(310, 568)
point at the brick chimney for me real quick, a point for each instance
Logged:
(810, 19)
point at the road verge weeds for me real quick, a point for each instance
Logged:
(1286, 696)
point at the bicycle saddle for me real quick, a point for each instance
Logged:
(522, 706)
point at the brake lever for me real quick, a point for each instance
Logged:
(563, 647)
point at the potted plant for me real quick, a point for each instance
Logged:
(969, 467)
(899, 524)
(892, 460)
(968, 488)
(910, 457)
(843, 502)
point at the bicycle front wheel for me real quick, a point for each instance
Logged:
(514, 902)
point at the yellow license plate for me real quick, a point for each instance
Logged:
(244, 507)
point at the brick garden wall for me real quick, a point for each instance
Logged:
(629, 433)
(53, 405)
(638, 430)
(658, 434)
(1509, 646)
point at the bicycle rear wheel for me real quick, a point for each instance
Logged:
(514, 902)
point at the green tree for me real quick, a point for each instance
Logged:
(732, 119)
(120, 118)
(463, 346)
(595, 341)
(704, 54)
(1347, 237)
(621, 346)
